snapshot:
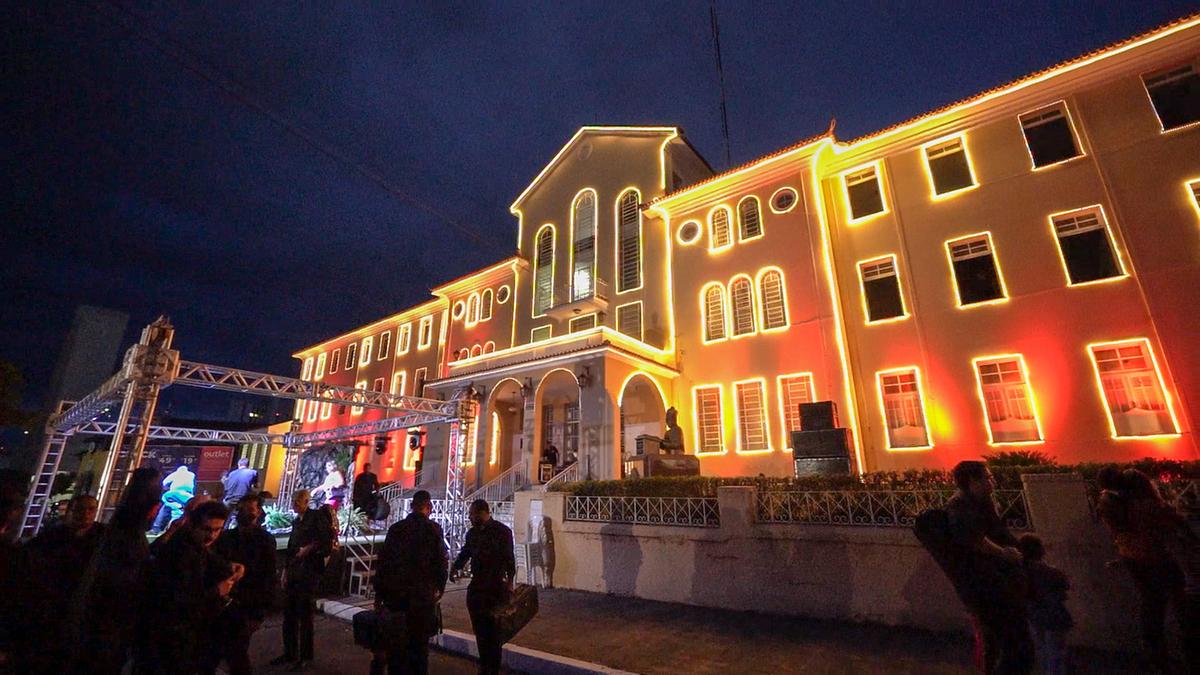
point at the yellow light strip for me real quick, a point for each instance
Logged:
(1192, 187)
(661, 394)
(537, 264)
(704, 313)
(1162, 386)
(493, 456)
(835, 303)
(775, 194)
(617, 242)
(662, 158)
(1112, 243)
(849, 213)
(696, 419)
(371, 327)
(887, 438)
(729, 225)
(862, 290)
(571, 242)
(762, 310)
(1029, 393)
(762, 225)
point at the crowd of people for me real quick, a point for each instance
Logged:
(1018, 601)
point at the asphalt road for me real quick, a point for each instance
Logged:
(336, 652)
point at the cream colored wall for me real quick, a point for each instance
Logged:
(1046, 320)
(616, 162)
(497, 329)
(791, 242)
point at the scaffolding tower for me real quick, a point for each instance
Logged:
(151, 365)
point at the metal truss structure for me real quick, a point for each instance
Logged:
(151, 364)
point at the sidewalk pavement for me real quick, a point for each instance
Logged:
(644, 636)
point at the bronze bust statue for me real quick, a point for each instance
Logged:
(672, 441)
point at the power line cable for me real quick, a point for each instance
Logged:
(196, 65)
(716, 39)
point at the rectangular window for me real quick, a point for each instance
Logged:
(549, 430)
(377, 385)
(540, 333)
(629, 320)
(1132, 386)
(306, 371)
(314, 408)
(1086, 246)
(320, 372)
(1007, 400)
(335, 361)
(571, 433)
(793, 390)
(365, 351)
(976, 275)
(419, 378)
(351, 352)
(385, 346)
(903, 409)
(425, 333)
(404, 339)
(1049, 135)
(708, 419)
(863, 194)
(326, 409)
(1175, 93)
(751, 401)
(298, 413)
(949, 166)
(581, 323)
(399, 380)
(881, 289)
(358, 409)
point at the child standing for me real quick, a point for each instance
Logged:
(1048, 615)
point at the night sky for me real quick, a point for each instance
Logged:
(264, 172)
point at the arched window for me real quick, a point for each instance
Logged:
(713, 306)
(543, 271)
(749, 219)
(473, 309)
(463, 353)
(476, 351)
(489, 347)
(485, 305)
(629, 241)
(583, 245)
(772, 300)
(741, 297)
(718, 229)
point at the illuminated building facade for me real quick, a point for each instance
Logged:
(1016, 270)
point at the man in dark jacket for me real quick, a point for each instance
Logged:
(251, 546)
(309, 545)
(489, 548)
(239, 483)
(187, 587)
(990, 581)
(363, 494)
(410, 578)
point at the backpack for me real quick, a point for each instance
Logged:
(932, 529)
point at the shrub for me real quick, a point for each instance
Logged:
(276, 519)
(1007, 472)
(350, 517)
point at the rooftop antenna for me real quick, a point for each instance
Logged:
(716, 40)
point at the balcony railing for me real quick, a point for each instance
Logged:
(876, 508)
(678, 511)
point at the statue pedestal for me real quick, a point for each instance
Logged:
(646, 466)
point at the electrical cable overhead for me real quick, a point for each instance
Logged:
(716, 40)
(193, 63)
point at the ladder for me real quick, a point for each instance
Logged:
(39, 496)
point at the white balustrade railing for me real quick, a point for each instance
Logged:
(568, 475)
(876, 508)
(678, 511)
(502, 487)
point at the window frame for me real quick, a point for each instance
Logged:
(712, 247)
(1075, 137)
(486, 299)
(759, 294)
(639, 262)
(335, 360)
(752, 305)
(961, 138)
(384, 350)
(573, 290)
(640, 337)
(319, 372)
(400, 376)
(422, 334)
(404, 339)
(539, 265)
(366, 350)
(882, 398)
(862, 289)
(352, 355)
(1155, 368)
(784, 400)
(358, 409)
(704, 312)
(877, 166)
(1162, 129)
(1030, 395)
(788, 209)
(760, 385)
(306, 368)
(699, 232)
(420, 378)
(549, 328)
(1102, 216)
(741, 236)
(580, 319)
(950, 260)
(697, 413)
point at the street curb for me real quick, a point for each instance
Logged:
(516, 657)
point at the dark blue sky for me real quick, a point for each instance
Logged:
(134, 180)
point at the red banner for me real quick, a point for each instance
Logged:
(214, 461)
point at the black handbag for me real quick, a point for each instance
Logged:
(380, 630)
(517, 613)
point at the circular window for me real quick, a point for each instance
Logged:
(784, 200)
(459, 309)
(503, 294)
(689, 232)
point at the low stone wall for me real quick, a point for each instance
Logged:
(852, 573)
